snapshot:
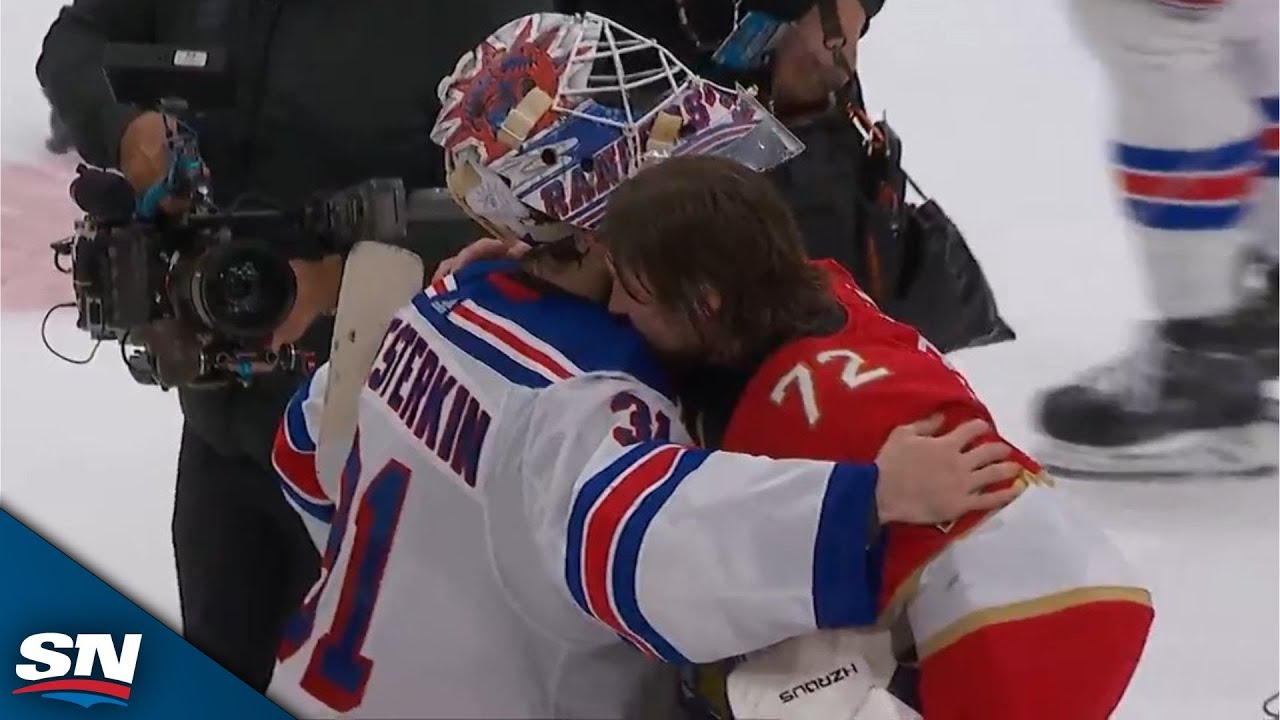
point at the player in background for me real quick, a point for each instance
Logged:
(1028, 611)
(520, 497)
(1194, 89)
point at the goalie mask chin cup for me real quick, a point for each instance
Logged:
(546, 117)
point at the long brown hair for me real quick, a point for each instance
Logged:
(714, 241)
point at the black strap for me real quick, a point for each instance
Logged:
(853, 94)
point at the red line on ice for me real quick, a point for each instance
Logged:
(35, 210)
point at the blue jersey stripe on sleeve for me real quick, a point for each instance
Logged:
(846, 572)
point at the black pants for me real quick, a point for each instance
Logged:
(244, 558)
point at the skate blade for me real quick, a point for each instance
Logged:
(1245, 450)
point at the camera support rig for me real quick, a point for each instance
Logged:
(191, 301)
(193, 292)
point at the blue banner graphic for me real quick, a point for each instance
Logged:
(72, 648)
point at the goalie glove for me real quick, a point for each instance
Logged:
(827, 675)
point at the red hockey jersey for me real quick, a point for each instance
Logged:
(1027, 612)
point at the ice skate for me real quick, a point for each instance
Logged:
(1188, 402)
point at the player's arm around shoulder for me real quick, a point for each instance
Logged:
(689, 554)
(694, 555)
(848, 398)
(840, 401)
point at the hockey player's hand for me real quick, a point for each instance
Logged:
(482, 249)
(318, 282)
(927, 480)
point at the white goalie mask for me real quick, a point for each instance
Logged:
(547, 116)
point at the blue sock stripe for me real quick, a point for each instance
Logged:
(1174, 216)
(1214, 159)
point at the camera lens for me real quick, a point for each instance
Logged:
(241, 286)
(242, 289)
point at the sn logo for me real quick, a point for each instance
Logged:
(48, 672)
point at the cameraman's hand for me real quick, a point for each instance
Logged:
(144, 155)
(319, 282)
(927, 480)
(482, 249)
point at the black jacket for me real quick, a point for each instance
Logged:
(329, 93)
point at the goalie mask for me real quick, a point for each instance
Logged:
(546, 117)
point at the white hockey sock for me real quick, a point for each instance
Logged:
(1187, 209)
(1187, 157)
(1186, 145)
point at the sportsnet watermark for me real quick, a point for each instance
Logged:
(88, 669)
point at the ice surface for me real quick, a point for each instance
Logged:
(1003, 117)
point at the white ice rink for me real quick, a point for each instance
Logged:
(1003, 117)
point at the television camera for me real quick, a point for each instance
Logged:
(193, 292)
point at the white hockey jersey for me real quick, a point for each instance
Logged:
(520, 499)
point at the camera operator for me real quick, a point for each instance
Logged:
(328, 93)
(797, 81)
(847, 189)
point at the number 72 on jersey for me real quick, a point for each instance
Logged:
(853, 374)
